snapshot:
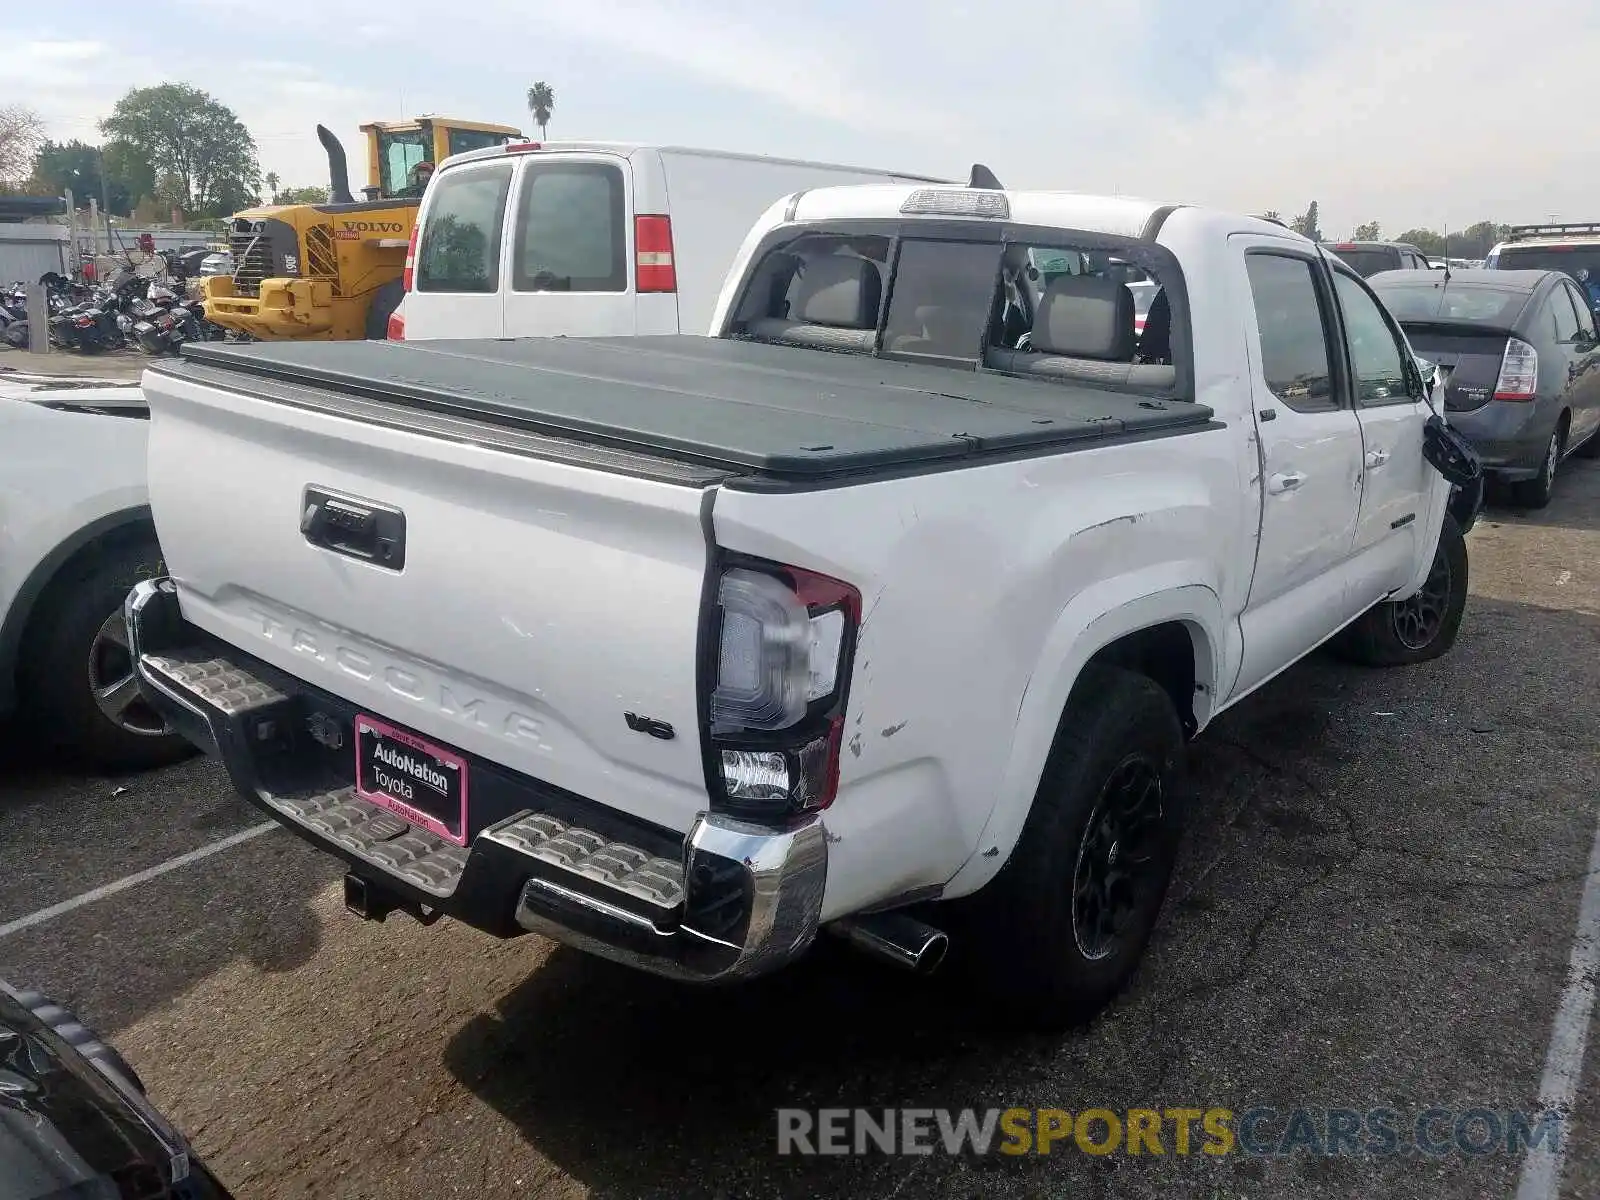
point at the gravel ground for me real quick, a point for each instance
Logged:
(1374, 908)
(120, 366)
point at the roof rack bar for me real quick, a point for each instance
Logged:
(1517, 232)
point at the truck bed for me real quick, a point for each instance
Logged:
(784, 413)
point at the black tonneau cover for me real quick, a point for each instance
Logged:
(778, 411)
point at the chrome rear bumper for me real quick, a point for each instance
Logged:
(727, 901)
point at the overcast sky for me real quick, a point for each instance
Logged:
(1410, 112)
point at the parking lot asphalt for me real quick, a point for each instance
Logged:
(1374, 908)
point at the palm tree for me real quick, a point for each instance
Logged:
(272, 186)
(541, 103)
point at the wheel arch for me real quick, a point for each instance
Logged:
(1175, 636)
(117, 528)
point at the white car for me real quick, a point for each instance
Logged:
(75, 535)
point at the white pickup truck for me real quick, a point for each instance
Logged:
(887, 611)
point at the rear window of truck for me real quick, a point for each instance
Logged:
(1085, 313)
(460, 250)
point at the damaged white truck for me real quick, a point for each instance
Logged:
(887, 609)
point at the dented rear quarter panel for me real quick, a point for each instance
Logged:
(984, 590)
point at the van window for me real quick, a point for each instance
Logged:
(571, 230)
(460, 249)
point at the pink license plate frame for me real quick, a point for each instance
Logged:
(415, 758)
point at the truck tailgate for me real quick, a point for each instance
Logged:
(533, 603)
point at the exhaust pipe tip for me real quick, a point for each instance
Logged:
(897, 939)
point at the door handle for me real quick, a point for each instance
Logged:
(1285, 481)
(1376, 458)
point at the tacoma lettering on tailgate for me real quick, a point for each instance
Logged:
(411, 682)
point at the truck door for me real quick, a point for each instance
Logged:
(569, 269)
(1309, 453)
(1388, 402)
(456, 291)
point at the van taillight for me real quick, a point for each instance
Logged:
(407, 275)
(652, 247)
(397, 327)
(774, 717)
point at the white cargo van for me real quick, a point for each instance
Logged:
(590, 239)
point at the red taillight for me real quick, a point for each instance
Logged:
(1519, 372)
(652, 249)
(774, 719)
(522, 147)
(409, 273)
(397, 327)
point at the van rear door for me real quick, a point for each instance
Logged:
(569, 254)
(456, 289)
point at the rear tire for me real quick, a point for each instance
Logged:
(1536, 492)
(384, 301)
(76, 673)
(1400, 633)
(1058, 933)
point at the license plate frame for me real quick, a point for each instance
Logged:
(403, 779)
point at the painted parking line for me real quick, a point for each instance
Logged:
(1563, 1064)
(134, 880)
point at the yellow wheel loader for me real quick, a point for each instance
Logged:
(331, 272)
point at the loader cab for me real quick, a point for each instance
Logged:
(395, 148)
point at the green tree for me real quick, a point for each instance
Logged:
(541, 103)
(21, 131)
(271, 180)
(75, 165)
(1369, 232)
(204, 158)
(126, 165)
(1426, 240)
(314, 194)
(1306, 223)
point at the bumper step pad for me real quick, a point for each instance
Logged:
(657, 881)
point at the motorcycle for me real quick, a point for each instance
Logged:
(13, 320)
(94, 327)
(162, 323)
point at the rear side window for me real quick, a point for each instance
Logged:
(460, 249)
(1368, 261)
(1561, 319)
(943, 293)
(1585, 315)
(571, 233)
(1294, 333)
